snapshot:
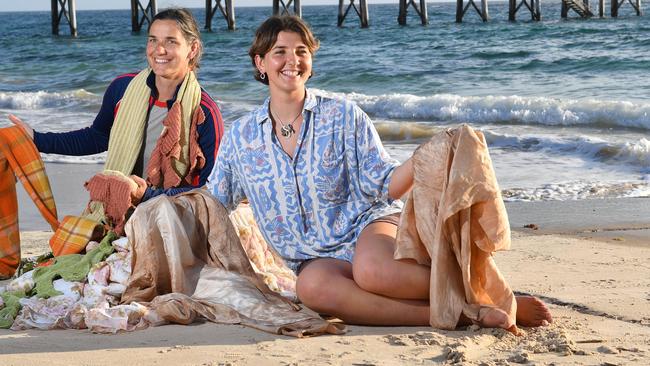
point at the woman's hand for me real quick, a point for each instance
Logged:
(24, 126)
(136, 196)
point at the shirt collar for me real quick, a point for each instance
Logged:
(262, 113)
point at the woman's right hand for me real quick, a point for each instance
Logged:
(136, 196)
(24, 126)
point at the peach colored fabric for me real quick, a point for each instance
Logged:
(160, 170)
(188, 263)
(453, 220)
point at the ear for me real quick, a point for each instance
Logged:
(194, 49)
(259, 63)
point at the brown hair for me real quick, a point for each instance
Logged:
(188, 27)
(267, 34)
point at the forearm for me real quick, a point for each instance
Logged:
(86, 141)
(402, 180)
(151, 192)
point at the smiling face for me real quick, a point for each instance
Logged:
(287, 65)
(168, 52)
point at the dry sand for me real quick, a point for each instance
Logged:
(598, 291)
(590, 260)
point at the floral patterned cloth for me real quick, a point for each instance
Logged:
(317, 202)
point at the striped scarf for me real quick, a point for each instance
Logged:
(127, 133)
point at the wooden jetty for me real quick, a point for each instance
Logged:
(65, 10)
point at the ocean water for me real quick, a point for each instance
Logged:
(564, 104)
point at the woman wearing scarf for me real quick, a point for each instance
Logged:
(159, 126)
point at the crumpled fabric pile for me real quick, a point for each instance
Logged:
(78, 304)
(95, 302)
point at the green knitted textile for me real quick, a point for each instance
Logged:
(71, 267)
(11, 309)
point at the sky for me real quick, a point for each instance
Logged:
(34, 5)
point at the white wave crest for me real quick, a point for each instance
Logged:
(504, 109)
(633, 153)
(43, 99)
(577, 191)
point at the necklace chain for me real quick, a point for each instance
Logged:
(286, 130)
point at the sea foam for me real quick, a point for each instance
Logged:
(504, 109)
(44, 99)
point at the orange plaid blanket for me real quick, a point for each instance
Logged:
(20, 159)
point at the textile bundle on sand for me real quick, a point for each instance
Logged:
(208, 275)
(180, 278)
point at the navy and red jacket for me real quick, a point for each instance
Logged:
(94, 139)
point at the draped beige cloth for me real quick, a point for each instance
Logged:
(453, 220)
(188, 263)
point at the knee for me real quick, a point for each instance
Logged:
(315, 292)
(370, 277)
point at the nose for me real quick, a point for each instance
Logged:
(292, 58)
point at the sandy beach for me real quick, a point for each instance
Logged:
(589, 260)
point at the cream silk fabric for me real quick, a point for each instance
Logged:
(188, 263)
(453, 220)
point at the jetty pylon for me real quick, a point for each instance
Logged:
(228, 13)
(421, 11)
(532, 5)
(462, 8)
(362, 12)
(68, 11)
(148, 12)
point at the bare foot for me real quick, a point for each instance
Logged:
(532, 312)
(489, 317)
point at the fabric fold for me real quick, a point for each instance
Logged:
(454, 219)
(188, 263)
(19, 159)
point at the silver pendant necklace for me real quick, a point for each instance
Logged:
(286, 130)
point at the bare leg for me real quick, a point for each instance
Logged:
(326, 286)
(376, 271)
(372, 290)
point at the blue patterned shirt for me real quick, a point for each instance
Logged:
(316, 203)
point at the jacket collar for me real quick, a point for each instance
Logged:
(151, 83)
